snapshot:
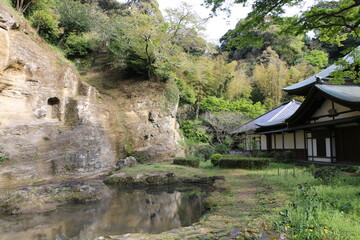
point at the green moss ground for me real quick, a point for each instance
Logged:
(262, 202)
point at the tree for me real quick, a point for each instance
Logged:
(221, 123)
(22, 5)
(270, 77)
(333, 21)
(75, 16)
(158, 47)
(240, 86)
(185, 28)
(289, 48)
(317, 58)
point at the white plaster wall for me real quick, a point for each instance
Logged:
(323, 110)
(278, 141)
(263, 143)
(339, 108)
(300, 139)
(289, 140)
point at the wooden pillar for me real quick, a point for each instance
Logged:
(305, 148)
(332, 134)
(275, 141)
(295, 144)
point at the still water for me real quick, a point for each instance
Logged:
(126, 211)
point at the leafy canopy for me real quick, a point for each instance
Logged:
(333, 21)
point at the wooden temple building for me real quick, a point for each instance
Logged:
(324, 128)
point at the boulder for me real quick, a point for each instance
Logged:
(126, 162)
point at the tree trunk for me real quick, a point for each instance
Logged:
(197, 110)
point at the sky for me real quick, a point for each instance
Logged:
(217, 26)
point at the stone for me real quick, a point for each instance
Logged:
(154, 179)
(126, 162)
(170, 174)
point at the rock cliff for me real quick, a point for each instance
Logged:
(53, 123)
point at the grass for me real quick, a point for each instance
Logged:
(284, 197)
(312, 209)
(7, 2)
(181, 171)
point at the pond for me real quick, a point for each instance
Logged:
(126, 211)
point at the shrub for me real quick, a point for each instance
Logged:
(46, 24)
(278, 157)
(221, 148)
(191, 130)
(326, 174)
(285, 156)
(187, 161)
(3, 156)
(261, 154)
(77, 45)
(215, 158)
(289, 155)
(232, 161)
(205, 152)
(246, 106)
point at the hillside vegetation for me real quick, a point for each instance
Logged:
(220, 87)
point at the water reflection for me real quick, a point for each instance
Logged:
(127, 211)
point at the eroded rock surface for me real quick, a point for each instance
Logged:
(51, 122)
(145, 113)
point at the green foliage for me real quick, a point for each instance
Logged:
(3, 157)
(190, 161)
(325, 174)
(289, 155)
(348, 70)
(171, 93)
(278, 156)
(215, 159)
(205, 152)
(323, 18)
(46, 24)
(191, 130)
(317, 58)
(77, 45)
(187, 94)
(286, 156)
(222, 148)
(74, 16)
(239, 161)
(245, 106)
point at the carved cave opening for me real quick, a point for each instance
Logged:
(53, 108)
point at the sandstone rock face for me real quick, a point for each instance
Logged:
(51, 122)
(150, 123)
(144, 116)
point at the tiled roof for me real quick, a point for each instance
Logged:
(279, 113)
(341, 92)
(323, 74)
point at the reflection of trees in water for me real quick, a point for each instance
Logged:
(191, 209)
(126, 211)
